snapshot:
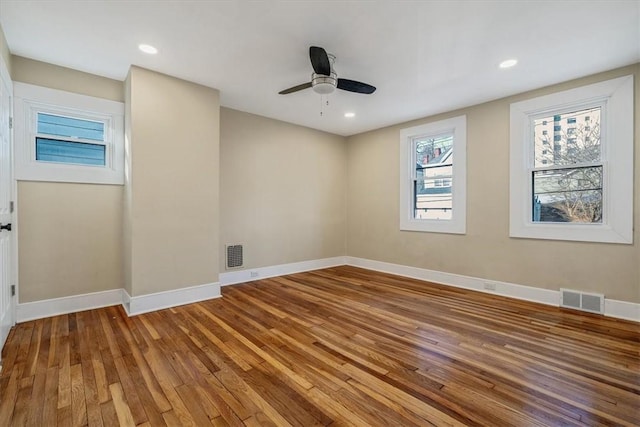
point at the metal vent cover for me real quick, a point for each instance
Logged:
(585, 301)
(592, 303)
(234, 256)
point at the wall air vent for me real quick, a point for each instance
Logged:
(585, 301)
(234, 256)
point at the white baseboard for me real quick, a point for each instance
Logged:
(157, 301)
(528, 293)
(132, 305)
(622, 309)
(175, 297)
(613, 308)
(250, 274)
(56, 306)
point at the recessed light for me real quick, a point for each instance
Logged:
(508, 63)
(349, 115)
(147, 48)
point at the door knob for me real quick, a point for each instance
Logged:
(5, 226)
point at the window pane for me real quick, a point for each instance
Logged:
(576, 138)
(434, 151)
(51, 150)
(69, 127)
(432, 193)
(568, 195)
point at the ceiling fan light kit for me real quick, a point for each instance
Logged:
(324, 80)
(324, 85)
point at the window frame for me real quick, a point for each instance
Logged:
(31, 100)
(615, 97)
(457, 126)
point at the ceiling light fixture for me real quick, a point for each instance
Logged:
(324, 85)
(508, 63)
(147, 48)
(349, 115)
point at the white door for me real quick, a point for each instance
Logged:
(6, 209)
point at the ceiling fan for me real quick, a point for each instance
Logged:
(324, 79)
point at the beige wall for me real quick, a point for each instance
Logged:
(70, 239)
(174, 136)
(170, 239)
(4, 50)
(282, 192)
(70, 235)
(55, 77)
(486, 251)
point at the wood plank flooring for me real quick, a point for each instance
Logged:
(339, 346)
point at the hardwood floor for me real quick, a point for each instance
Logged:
(340, 346)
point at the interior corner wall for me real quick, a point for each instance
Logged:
(174, 133)
(282, 190)
(69, 235)
(486, 250)
(127, 210)
(4, 50)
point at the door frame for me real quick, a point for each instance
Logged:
(5, 79)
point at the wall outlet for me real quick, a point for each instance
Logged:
(490, 286)
(254, 274)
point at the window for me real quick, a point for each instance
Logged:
(568, 188)
(67, 137)
(63, 139)
(433, 177)
(584, 190)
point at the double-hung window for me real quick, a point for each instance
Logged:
(433, 177)
(67, 137)
(582, 188)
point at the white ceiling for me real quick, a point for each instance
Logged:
(424, 57)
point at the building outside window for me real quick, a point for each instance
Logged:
(583, 189)
(567, 186)
(433, 177)
(433, 198)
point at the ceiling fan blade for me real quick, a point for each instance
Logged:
(319, 61)
(295, 88)
(354, 86)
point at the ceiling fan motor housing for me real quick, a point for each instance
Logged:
(324, 79)
(324, 84)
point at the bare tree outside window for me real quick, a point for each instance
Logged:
(568, 169)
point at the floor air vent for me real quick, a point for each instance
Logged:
(234, 256)
(593, 303)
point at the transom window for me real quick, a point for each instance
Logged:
(67, 137)
(63, 139)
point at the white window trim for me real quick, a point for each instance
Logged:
(617, 157)
(31, 99)
(458, 222)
